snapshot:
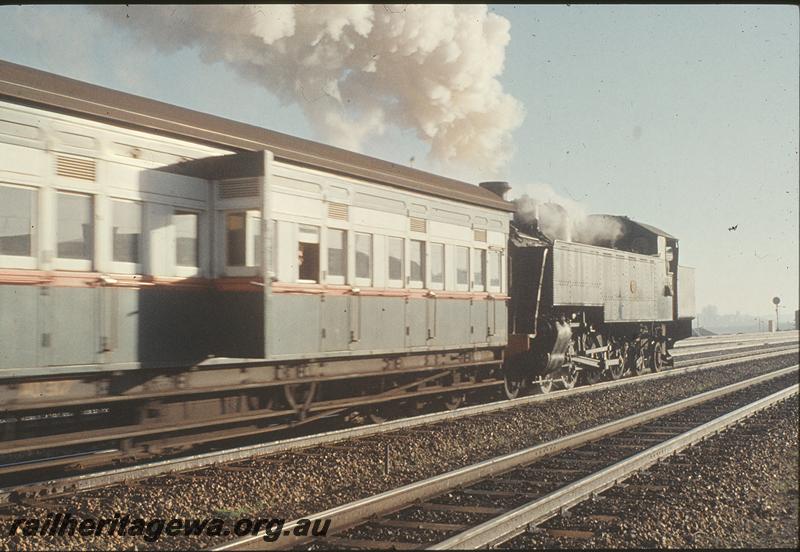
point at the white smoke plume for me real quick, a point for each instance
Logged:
(562, 218)
(354, 69)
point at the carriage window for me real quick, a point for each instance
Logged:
(396, 256)
(364, 256)
(462, 268)
(237, 246)
(185, 223)
(337, 255)
(75, 229)
(307, 253)
(437, 265)
(416, 275)
(17, 206)
(254, 238)
(127, 230)
(479, 274)
(495, 270)
(243, 238)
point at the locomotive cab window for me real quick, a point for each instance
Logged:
(17, 225)
(307, 254)
(75, 231)
(243, 239)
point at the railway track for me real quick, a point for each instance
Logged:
(697, 351)
(490, 502)
(95, 448)
(733, 490)
(17, 485)
(689, 360)
(738, 339)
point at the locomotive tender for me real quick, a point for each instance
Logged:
(175, 269)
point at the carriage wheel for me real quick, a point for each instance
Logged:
(454, 400)
(300, 396)
(387, 411)
(451, 401)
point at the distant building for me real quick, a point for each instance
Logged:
(797, 319)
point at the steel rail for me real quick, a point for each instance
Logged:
(706, 341)
(677, 363)
(512, 523)
(110, 477)
(349, 515)
(687, 352)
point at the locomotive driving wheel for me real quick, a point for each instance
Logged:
(639, 359)
(592, 375)
(512, 384)
(544, 383)
(617, 353)
(569, 376)
(657, 357)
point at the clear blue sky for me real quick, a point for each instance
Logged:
(685, 117)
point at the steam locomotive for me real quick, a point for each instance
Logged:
(608, 307)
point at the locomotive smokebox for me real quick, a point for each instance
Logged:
(498, 187)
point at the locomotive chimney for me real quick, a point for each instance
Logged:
(496, 187)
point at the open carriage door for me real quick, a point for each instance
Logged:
(241, 253)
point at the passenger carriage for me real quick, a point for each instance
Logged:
(168, 267)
